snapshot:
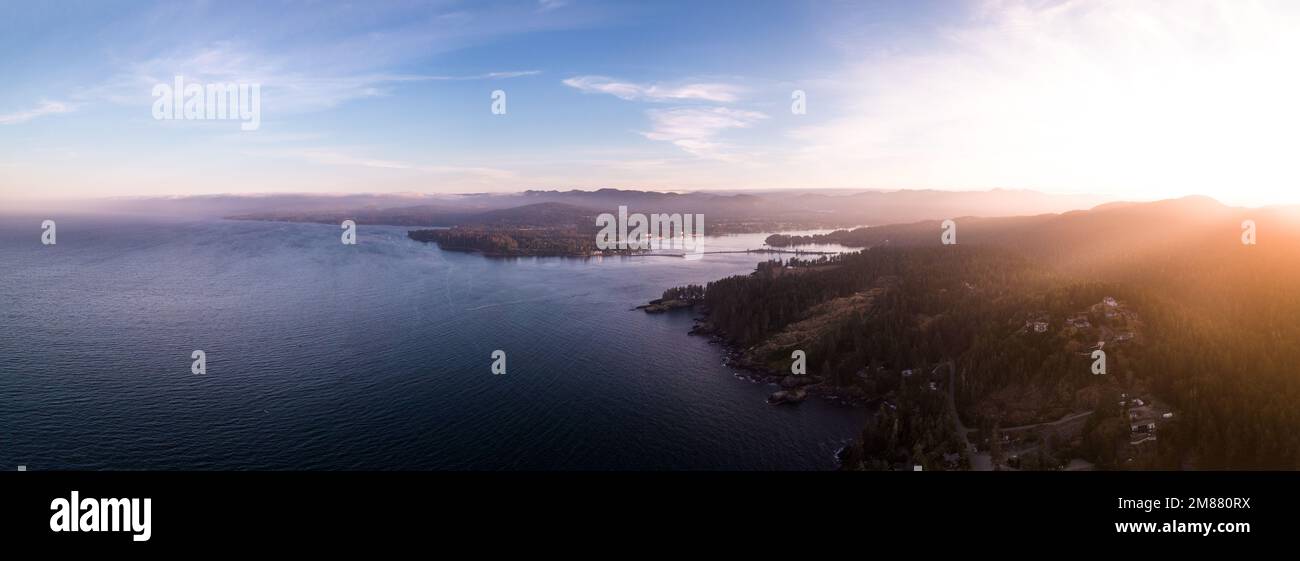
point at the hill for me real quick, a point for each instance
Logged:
(1196, 319)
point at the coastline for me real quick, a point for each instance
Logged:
(792, 389)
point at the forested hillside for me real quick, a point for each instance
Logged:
(1205, 322)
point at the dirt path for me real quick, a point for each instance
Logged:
(979, 461)
(983, 461)
(1057, 422)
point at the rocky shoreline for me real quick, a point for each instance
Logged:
(661, 305)
(793, 388)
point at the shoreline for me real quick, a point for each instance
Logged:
(793, 389)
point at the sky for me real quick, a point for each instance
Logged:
(1128, 98)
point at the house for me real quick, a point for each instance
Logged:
(1109, 302)
(1040, 327)
(1143, 427)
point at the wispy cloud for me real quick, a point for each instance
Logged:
(632, 91)
(1153, 97)
(45, 108)
(696, 129)
(496, 75)
(288, 85)
(693, 128)
(548, 5)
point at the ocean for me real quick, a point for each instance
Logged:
(323, 356)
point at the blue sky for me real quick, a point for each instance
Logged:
(396, 96)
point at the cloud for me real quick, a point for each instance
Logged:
(1163, 97)
(288, 85)
(695, 129)
(45, 108)
(631, 91)
(548, 5)
(501, 75)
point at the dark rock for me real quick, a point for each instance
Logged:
(787, 396)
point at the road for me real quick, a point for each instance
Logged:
(983, 461)
(979, 461)
(1057, 422)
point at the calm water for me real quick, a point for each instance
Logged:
(376, 356)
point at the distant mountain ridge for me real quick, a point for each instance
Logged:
(787, 209)
(1194, 225)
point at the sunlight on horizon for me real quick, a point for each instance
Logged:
(1133, 100)
(1127, 100)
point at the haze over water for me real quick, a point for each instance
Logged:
(375, 356)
